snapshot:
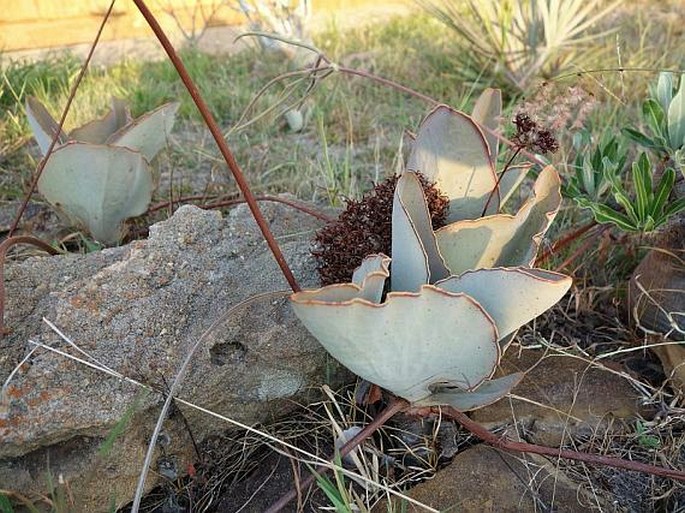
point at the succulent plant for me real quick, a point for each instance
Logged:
(457, 295)
(664, 116)
(100, 175)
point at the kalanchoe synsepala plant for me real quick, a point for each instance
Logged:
(100, 175)
(458, 294)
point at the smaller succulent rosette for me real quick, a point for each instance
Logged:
(99, 174)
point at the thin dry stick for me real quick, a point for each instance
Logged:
(593, 459)
(381, 80)
(174, 387)
(396, 405)
(235, 201)
(184, 199)
(565, 241)
(90, 362)
(583, 248)
(620, 69)
(4, 247)
(221, 143)
(60, 125)
(421, 96)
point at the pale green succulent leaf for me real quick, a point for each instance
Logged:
(503, 240)
(97, 186)
(334, 294)
(676, 117)
(474, 244)
(536, 216)
(148, 134)
(664, 89)
(511, 180)
(451, 151)
(488, 111)
(99, 130)
(409, 342)
(416, 260)
(43, 125)
(487, 393)
(511, 296)
(370, 277)
(368, 281)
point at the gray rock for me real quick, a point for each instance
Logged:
(139, 309)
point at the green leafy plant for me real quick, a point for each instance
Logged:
(664, 115)
(340, 497)
(648, 210)
(99, 175)
(520, 40)
(640, 201)
(595, 172)
(644, 438)
(457, 295)
(5, 505)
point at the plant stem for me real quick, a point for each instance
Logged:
(593, 459)
(434, 102)
(386, 82)
(499, 180)
(396, 405)
(221, 143)
(565, 241)
(60, 124)
(235, 201)
(582, 250)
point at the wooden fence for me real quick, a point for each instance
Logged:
(38, 24)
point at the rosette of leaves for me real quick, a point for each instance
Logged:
(649, 209)
(99, 174)
(364, 226)
(457, 295)
(664, 116)
(594, 171)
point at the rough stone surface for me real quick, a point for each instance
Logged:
(486, 480)
(657, 301)
(139, 309)
(574, 399)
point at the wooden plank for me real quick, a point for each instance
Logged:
(44, 24)
(65, 31)
(33, 10)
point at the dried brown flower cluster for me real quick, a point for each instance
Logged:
(531, 137)
(365, 228)
(553, 109)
